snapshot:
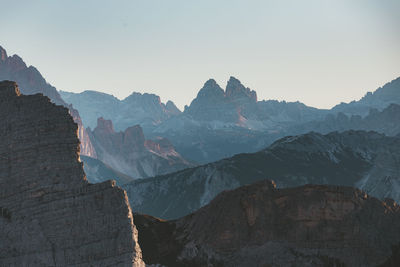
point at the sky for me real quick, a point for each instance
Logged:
(319, 52)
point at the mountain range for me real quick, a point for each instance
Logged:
(320, 190)
(221, 123)
(365, 160)
(159, 158)
(218, 123)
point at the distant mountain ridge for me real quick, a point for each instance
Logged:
(366, 160)
(146, 110)
(386, 121)
(379, 99)
(220, 123)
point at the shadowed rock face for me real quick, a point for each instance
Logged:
(130, 153)
(50, 215)
(259, 225)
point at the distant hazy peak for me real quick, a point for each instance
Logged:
(104, 125)
(135, 96)
(211, 89)
(235, 89)
(172, 108)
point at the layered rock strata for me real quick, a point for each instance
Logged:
(49, 214)
(259, 225)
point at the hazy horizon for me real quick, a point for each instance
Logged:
(320, 53)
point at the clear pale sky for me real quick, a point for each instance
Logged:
(320, 52)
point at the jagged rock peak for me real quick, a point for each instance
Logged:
(8, 89)
(235, 89)
(171, 107)
(3, 54)
(211, 89)
(105, 125)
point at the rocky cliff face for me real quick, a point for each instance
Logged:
(30, 82)
(366, 160)
(50, 215)
(130, 153)
(259, 225)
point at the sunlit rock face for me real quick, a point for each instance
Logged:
(130, 153)
(259, 225)
(49, 214)
(30, 82)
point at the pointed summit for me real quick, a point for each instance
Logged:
(104, 125)
(211, 90)
(172, 108)
(235, 89)
(3, 54)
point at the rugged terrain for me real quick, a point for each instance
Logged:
(259, 225)
(130, 153)
(50, 215)
(367, 160)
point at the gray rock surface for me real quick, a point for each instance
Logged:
(50, 214)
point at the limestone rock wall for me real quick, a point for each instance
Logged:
(49, 214)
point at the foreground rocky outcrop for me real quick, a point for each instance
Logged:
(130, 153)
(366, 160)
(49, 214)
(259, 225)
(30, 82)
